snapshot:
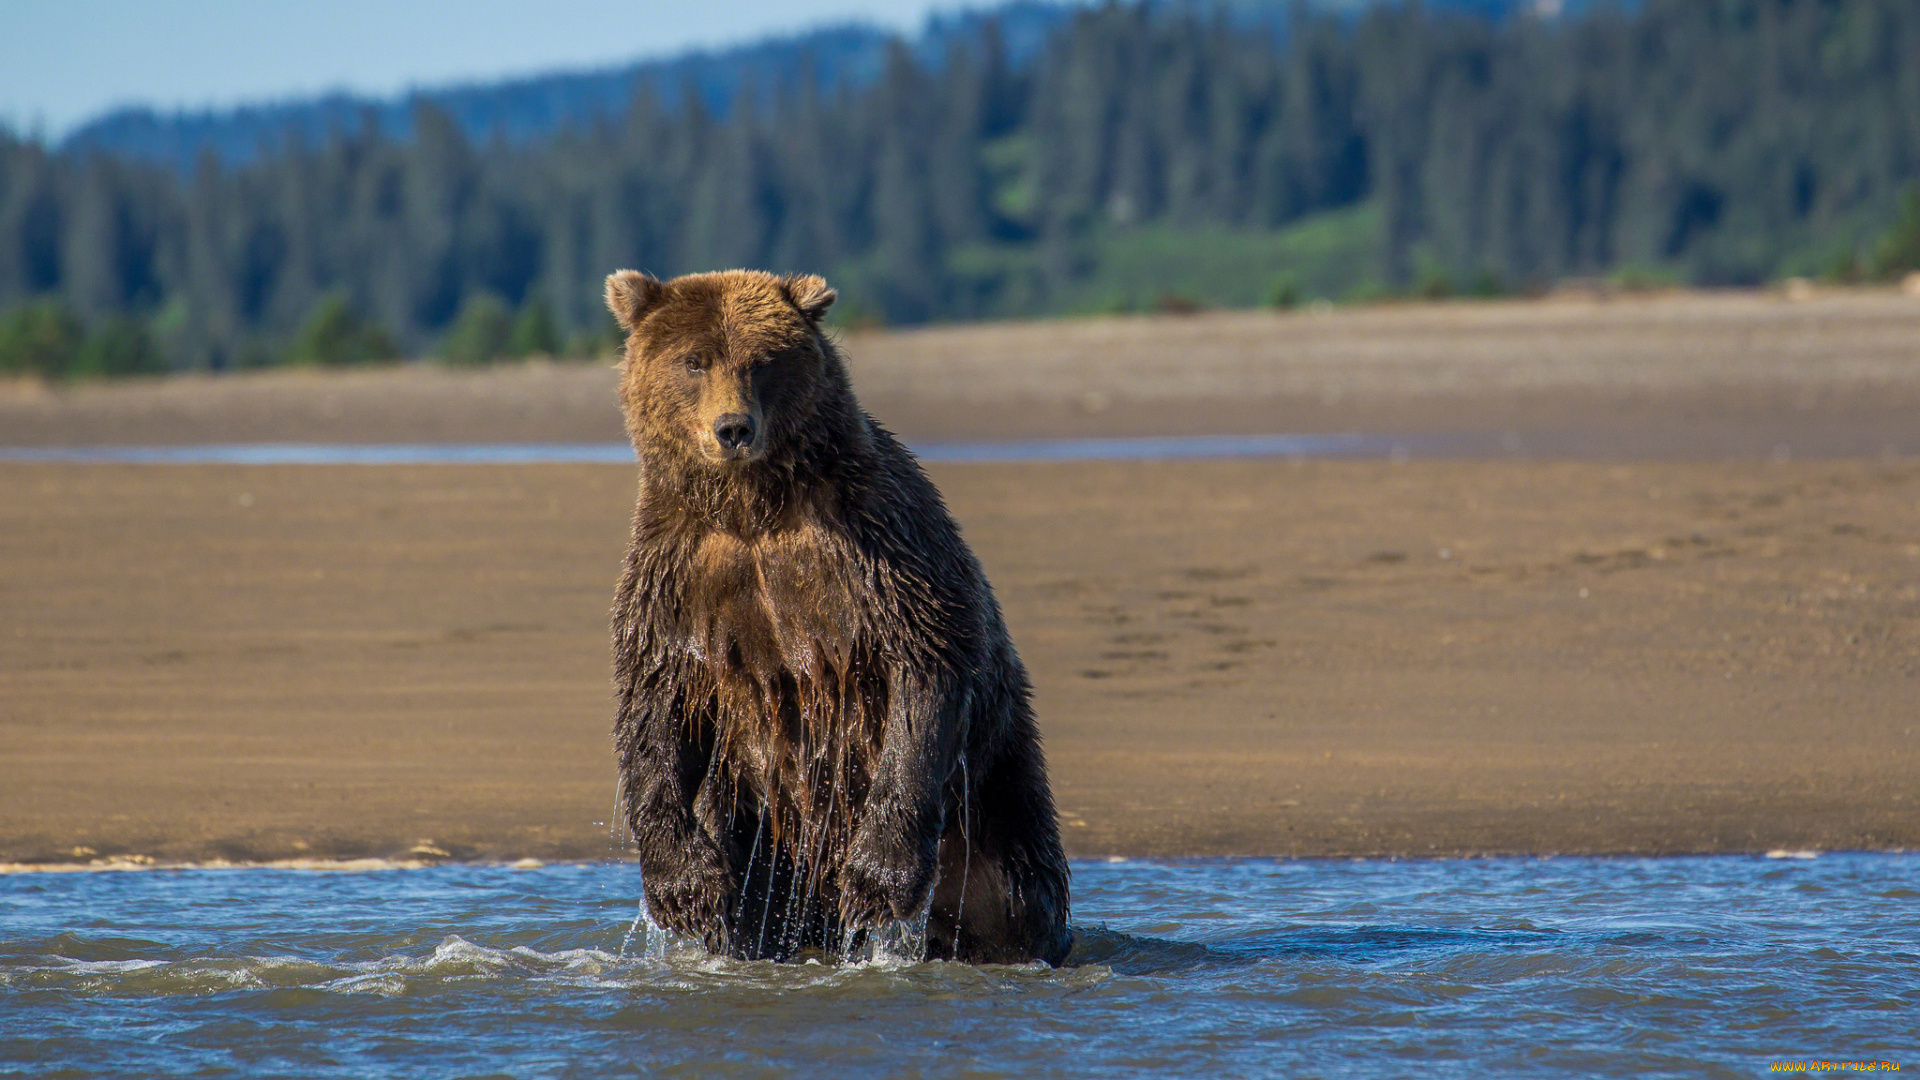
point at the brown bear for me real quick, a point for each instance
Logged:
(822, 724)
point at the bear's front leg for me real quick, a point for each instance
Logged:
(889, 866)
(687, 887)
(683, 871)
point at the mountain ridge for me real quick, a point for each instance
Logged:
(528, 107)
(524, 107)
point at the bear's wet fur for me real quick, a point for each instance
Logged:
(822, 724)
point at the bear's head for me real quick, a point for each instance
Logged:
(728, 369)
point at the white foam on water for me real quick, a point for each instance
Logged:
(384, 984)
(895, 944)
(572, 961)
(105, 967)
(457, 959)
(656, 941)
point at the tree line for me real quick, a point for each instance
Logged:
(1704, 141)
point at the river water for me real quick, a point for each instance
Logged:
(1703, 966)
(1148, 448)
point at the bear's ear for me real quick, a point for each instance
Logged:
(631, 294)
(811, 294)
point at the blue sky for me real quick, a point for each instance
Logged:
(63, 62)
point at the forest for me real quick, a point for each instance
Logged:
(1133, 157)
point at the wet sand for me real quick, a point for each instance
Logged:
(1613, 645)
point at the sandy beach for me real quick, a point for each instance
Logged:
(1650, 585)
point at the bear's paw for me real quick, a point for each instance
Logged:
(885, 877)
(691, 898)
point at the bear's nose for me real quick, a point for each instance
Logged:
(734, 430)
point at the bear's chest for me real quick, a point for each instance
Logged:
(791, 606)
(784, 633)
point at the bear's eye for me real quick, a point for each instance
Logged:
(696, 365)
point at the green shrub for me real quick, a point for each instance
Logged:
(1434, 284)
(1898, 252)
(42, 338)
(120, 346)
(1285, 293)
(1643, 277)
(533, 331)
(480, 334)
(335, 335)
